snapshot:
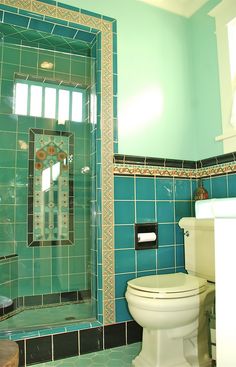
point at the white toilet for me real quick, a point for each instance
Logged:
(172, 308)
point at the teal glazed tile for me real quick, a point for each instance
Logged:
(145, 188)
(165, 211)
(124, 212)
(8, 140)
(166, 271)
(8, 179)
(8, 122)
(179, 234)
(122, 312)
(8, 8)
(25, 286)
(146, 273)
(20, 231)
(6, 214)
(182, 209)
(6, 104)
(60, 30)
(8, 70)
(124, 188)
(166, 234)
(7, 88)
(7, 195)
(145, 211)
(21, 176)
(219, 186)
(166, 257)
(164, 189)
(21, 195)
(182, 189)
(7, 158)
(179, 256)
(25, 268)
(25, 123)
(121, 283)
(146, 260)
(29, 58)
(124, 236)
(115, 107)
(16, 19)
(232, 185)
(124, 261)
(22, 159)
(85, 36)
(41, 25)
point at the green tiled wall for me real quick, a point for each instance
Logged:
(41, 270)
(9, 277)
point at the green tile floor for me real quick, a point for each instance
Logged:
(48, 316)
(116, 357)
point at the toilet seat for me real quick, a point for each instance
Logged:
(178, 285)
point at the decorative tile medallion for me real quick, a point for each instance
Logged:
(104, 28)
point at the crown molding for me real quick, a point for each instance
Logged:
(184, 8)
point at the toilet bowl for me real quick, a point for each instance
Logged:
(171, 308)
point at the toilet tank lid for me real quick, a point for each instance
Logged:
(168, 283)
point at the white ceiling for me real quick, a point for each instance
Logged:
(185, 8)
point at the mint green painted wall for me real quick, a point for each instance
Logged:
(206, 111)
(158, 58)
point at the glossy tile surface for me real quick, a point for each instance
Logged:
(115, 357)
(42, 317)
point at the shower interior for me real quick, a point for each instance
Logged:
(47, 225)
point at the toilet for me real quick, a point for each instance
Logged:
(173, 308)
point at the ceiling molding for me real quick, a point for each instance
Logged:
(185, 8)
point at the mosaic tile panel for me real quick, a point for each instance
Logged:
(51, 210)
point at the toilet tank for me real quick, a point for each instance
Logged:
(199, 247)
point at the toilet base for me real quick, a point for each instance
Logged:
(160, 350)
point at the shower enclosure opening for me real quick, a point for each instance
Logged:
(48, 179)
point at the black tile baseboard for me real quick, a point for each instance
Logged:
(91, 340)
(64, 345)
(114, 335)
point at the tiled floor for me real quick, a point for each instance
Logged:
(116, 357)
(41, 317)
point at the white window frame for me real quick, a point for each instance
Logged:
(58, 88)
(224, 13)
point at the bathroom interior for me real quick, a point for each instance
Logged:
(110, 122)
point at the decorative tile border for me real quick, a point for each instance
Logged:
(105, 27)
(142, 166)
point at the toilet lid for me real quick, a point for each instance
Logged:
(167, 285)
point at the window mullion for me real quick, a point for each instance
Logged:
(43, 102)
(57, 103)
(28, 99)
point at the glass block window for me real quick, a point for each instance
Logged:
(49, 100)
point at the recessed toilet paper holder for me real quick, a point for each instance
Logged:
(145, 236)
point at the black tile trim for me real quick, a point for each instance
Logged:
(69, 344)
(174, 163)
(8, 257)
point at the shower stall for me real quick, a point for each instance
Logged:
(48, 179)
